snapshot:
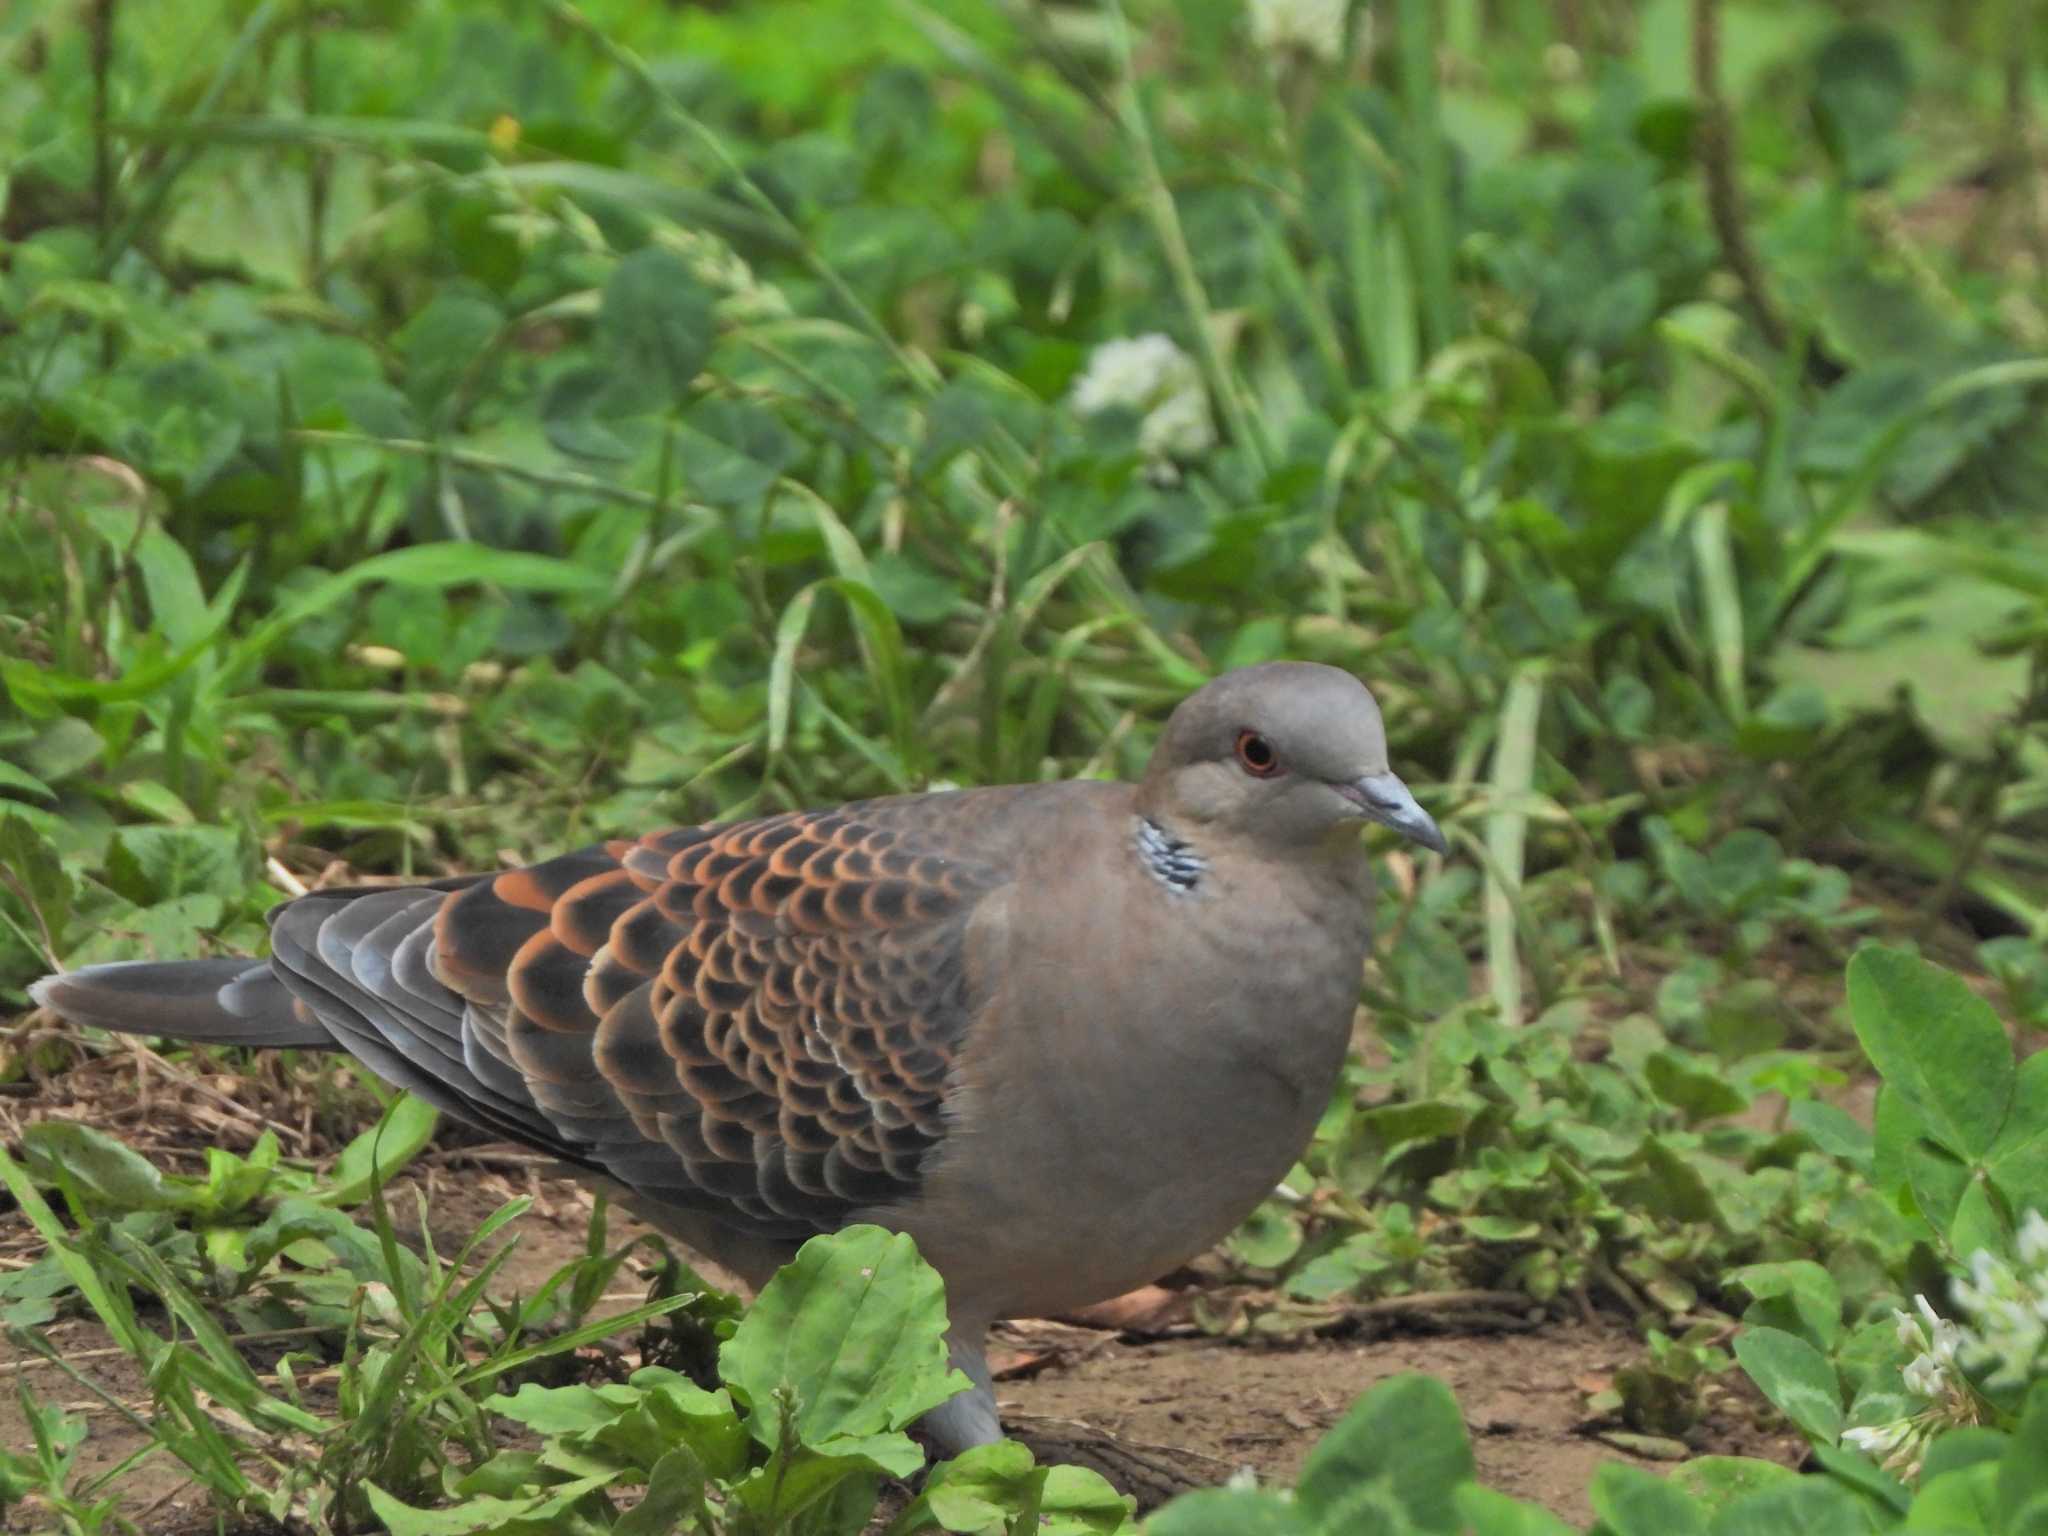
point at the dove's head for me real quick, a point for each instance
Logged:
(1286, 754)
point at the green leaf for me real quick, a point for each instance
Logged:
(1701, 1094)
(1632, 1502)
(570, 1410)
(987, 1487)
(1835, 1131)
(39, 872)
(675, 1490)
(1965, 1499)
(1796, 1377)
(1812, 1296)
(1955, 1449)
(152, 864)
(2018, 1161)
(399, 1136)
(656, 322)
(2023, 1473)
(1402, 1445)
(1862, 83)
(452, 563)
(1715, 1481)
(472, 1517)
(100, 1169)
(1488, 1513)
(856, 1326)
(61, 748)
(177, 604)
(1269, 1237)
(1798, 1506)
(1228, 1512)
(1937, 1044)
(12, 777)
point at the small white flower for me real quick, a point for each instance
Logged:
(1134, 371)
(1150, 375)
(1878, 1440)
(1178, 429)
(1312, 27)
(1910, 1336)
(1942, 1336)
(2034, 1240)
(1989, 1275)
(1926, 1378)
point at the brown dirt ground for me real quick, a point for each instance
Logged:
(1173, 1410)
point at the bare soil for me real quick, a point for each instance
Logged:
(1153, 1413)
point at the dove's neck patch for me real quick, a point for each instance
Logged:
(1173, 863)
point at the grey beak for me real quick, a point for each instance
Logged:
(1385, 799)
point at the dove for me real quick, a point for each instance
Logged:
(1065, 1035)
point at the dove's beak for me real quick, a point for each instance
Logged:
(1383, 798)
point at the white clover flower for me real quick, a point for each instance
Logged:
(1178, 429)
(2033, 1242)
(1910, 1336)
(1136, 371)
(1311, 27)
(1150, 375)
(2006, 1344)
(1878, 1440)
(1925, 1377)
(1943, 1335)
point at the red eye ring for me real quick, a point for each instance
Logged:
(1256, 756)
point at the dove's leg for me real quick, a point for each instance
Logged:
(970, 1419)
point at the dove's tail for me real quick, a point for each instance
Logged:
(209, 1002)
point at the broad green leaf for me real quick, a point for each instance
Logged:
(1978, 1225)
(378, 1153)
(153, 864)
(39, 871)
(473, 1517)
(566, 1410)
(1796, 1377)
(1229, 1512)
(1862, 88)
(1632, 1502)
(1269, 1237)
(1937, 1181)
(856, 1326)
(984, 1489)
(1701, 1094)
(656, 321)
(25, 782)
(1403, 1444)
(61, 748)
(177, 604)
(1937, 1043)
(1799, 1506)
(802, 1490)
(1963, 1500)
(1810, 1292)
(2018, 1161)
(675, 1491)
(453, 563)
(1715, 1481)
(101, 1170)
(1958, 1448)
(2023, 1473)
(1487, 1513)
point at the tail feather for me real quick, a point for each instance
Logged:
(209, 1002)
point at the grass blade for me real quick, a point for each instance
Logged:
(1507, 828)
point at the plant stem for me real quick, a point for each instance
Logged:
(1717, 165)
(1983, 814)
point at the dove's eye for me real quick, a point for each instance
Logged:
(1256, 756)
